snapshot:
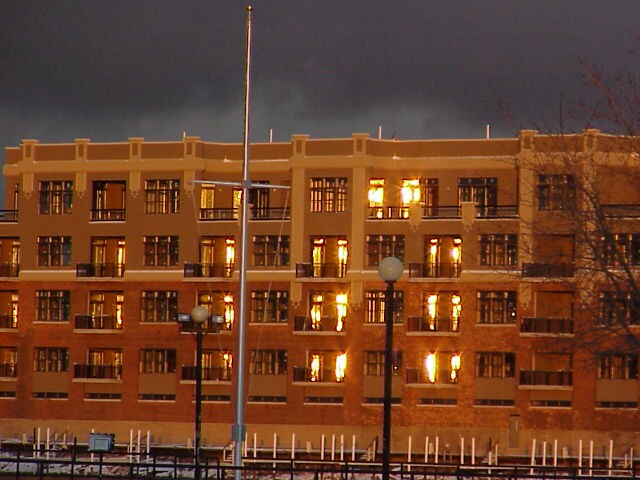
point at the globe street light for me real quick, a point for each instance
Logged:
(390, 270)
(199, 316)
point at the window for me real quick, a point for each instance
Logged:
(556, 192)
(617, 308)
(327, 312)
(495, 364)
(374, 363)
(442, 311)
(8, 361)
(382, 246)
(498, 250)
(52, 305)
(158, 360)
(443, 257)
(618, 366)
(162, 196)
(482, 191)
(51, 359)
(54, 251)
(268, 362)
(56, 197)
(217, 365)
(376, 306)
(270, 250)
(161, 251)
(376, 197)
(328, 194)
(269, 306)
(442, 367)
(219, 304)
(621, 249)
(159, 306)
(497, 307)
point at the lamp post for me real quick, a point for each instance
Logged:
(390, 270)
(199, 316)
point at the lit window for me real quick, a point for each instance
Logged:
(376, 197)
(455, 366)
(341, 311)
(341, 366)
(456, 309)
(316, 311)
(230, 251)
(228, 310)
(432, 310)
(315, 367)
(431, 365)
(456, 249)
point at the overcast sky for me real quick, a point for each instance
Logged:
(110, 70)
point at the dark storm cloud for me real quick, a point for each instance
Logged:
(111, 70)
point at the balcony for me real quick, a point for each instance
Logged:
(270, 213)
(209, 374)
(107, 214)
(303, 374)
(8, 370)
(402, 213)
(434, 270)
(325, 325)
(98, 372)
(321, 270)
(10, 270)
(7, 216)
(213, 214)
(443, 377)
(496, 211)
(558, 378)
(98, 322)
(207, 270)
(102, 270)
(435, 325)
(621, 211)
(549, 326)
(548, 270)
(8, 320)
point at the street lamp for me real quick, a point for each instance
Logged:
(390, 270)
(194, 322)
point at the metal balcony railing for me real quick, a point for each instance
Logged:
(204, 270)
(304, 374)
(434, 270)
(443, 376)
(102, 270)
(270, 213)
(9, 370)
(548, 325)
(326, 324)
(218, 214)
(496, 211)
(98, 322)
(321, 270)
(548, 270)
(107, 214)
(106, 372)
(621, 211)
(433, 325)
(561, 378)
(212, 374)
(8, 216)
(8, 320)
(9, 269)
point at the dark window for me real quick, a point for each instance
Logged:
(328, 194)
(158, 360)
(161, 251)
(270, 250)
(495, 364)
(499, 250)
(269, 306)
(52, 305)
(556, 192)
(376, 306)
(56, 197)
(159, 306)
(496, 307)
(268, 362)
(54, 251)
(382, 246)
(162, 196)
(51, 359)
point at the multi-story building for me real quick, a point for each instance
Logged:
(102, 244)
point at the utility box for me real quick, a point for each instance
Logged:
(101, 442)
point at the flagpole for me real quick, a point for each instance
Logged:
(238, 430)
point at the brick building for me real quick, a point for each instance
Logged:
(101, 245)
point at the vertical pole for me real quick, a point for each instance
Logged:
(198, 419)
(388, 364)
(238, 430)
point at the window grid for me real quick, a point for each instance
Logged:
(499, 250)
(495, 364)
(51, 359)
(54, 251)
(376, 306)
(270, 250)
(497, 307)
(162, 196)
(268, 362)
(382, 246)
(56, 197)
(556, 192)
(158, 360)
(328, 194)
(269, 306)
(53, 305)
(161, 251)
(159, 306)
